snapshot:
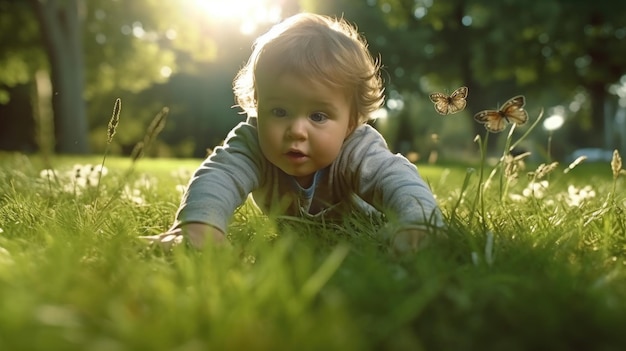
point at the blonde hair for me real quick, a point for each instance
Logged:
(320, 48)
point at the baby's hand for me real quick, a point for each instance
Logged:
(196, 233)
(165, 240)
(409, 241)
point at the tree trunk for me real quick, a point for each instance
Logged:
(61, 32)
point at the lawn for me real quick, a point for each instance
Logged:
(535, 259)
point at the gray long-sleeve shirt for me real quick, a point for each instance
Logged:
(365, 169)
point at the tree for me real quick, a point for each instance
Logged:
(95, 47)
(61, 24)
(546, 50)
(19, 58)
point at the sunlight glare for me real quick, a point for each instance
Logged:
(249, 13)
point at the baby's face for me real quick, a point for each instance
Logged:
(301, 124)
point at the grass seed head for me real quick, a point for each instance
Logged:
(137, 151)
(513, 165)
(115, 120)
(616, 164)
(157, 124)
(576, 162)
(543, 170)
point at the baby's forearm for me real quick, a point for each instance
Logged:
(409, 240)
(200, 234)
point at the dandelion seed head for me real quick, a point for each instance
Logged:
(101, 170)
(76, 170)
(181, 173)
(536, 189)
(145, 182)
(81, 182)
(577, 196)
(517, 197)
(46, 174)
(86, 170)
(133, 195)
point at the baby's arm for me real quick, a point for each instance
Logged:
(217, 188)
(409, 240)
(198, 235)
(392, 184)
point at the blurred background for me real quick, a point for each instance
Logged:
(64, 62)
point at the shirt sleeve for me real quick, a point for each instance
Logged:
(224, 180)
(387, 181)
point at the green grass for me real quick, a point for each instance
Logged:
(531, 273)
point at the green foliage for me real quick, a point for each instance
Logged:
(553, 52)
(20, 54)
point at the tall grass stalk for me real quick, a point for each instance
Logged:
(44, 126)
(464, 188)
(479, 198)
(154, 129)
(616, 169)
(502, 164)
(111, 130)
(510, 147)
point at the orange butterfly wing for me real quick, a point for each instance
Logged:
(492, 119)
(511, 111)
(454, 103)
(441, 103)
(457, 100)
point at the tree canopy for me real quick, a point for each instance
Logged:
(153, 53)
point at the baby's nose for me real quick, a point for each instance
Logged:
(297, 128)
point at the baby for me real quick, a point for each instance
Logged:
(308, 89)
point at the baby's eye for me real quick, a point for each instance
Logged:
(279, 112)
(318, 117)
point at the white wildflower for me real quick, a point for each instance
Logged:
(145, 182)
(181, 173)
(517, 197)
(181, 188)
(81, 182)
(5, 256)
(536, 189)
(47, 174)
(133, 195)
(76, 168)
(86, 171)
(576, 196)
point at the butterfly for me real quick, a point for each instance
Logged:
(454, 103)
(511, 111)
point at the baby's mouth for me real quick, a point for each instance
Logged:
(295, 153)
(296, 156)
